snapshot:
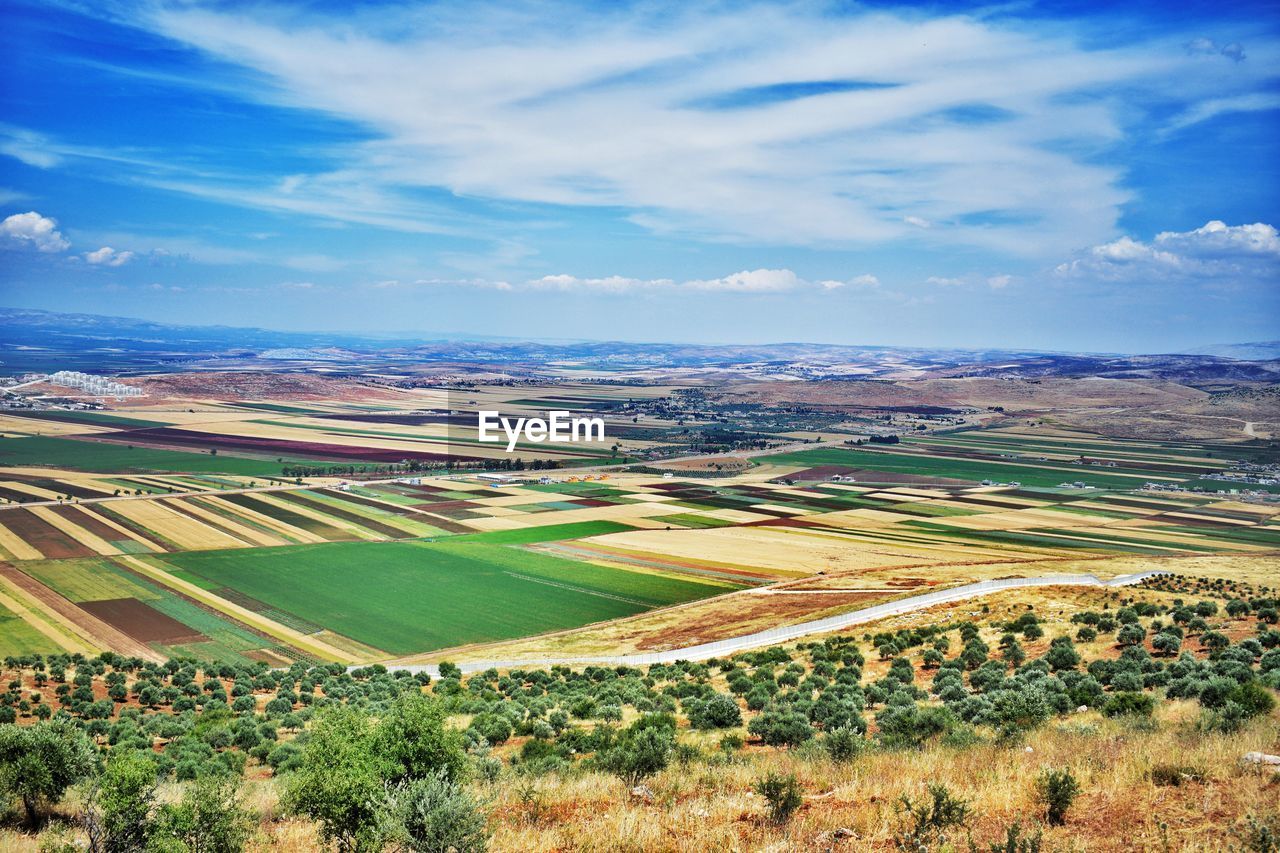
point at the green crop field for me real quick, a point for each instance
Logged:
(960, 469)
(407, 597)
(19, 638)
(104, 458)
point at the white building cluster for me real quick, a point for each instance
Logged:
(97, 385)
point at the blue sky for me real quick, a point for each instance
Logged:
(1061, 176)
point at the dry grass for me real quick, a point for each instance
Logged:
(709, 804)
(712, 806)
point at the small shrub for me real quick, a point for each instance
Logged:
(1057, 790)
(434, 813)
(1129, 703)
(731, 742)
(1014, 841)
(924, 825)
(1260, 834)
(782, 794)
(844, 743)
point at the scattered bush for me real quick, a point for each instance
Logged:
(1057, 790)
(924, 825)
(782, 795)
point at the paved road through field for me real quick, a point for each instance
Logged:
(787, 633)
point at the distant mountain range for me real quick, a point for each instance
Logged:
(33, 340)
(1260, 351)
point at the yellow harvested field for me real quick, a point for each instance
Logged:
(735, 515)
(244, 531)
(125, 533)
(10, 425)
(768, 548)
(1022, 519)
(14, 547)
(287, 530)
(186, 532)
(76, 532)
(785, 510)
(341, 524)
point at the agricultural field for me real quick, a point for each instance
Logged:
(440, 562)
(332, 521)
(120, 456)
(409, 596)
(179, 430)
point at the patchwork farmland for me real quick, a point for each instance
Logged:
(221, 565)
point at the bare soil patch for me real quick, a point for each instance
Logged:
(142, 621)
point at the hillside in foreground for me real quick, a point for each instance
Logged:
(1054, 720)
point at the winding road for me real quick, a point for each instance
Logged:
(787, 633)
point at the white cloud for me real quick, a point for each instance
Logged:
(33, 230)
(608, 284)
(745, 281)
(750, 281)
(1215, 253)
(682, 120)
(108, 257)
(944, 281)
(1216, 239)
(999, 282)
(858, 282)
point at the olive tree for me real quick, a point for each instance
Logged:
(38, 763)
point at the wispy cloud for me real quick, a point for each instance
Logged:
(774, 125)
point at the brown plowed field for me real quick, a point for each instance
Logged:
(43, 536)
(89, 522)
(142, 621)
(102, 634)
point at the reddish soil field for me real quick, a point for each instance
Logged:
(723, 622)
(460, 419)
(142, 621)
(43, 536)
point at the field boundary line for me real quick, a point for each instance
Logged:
(580, 589)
